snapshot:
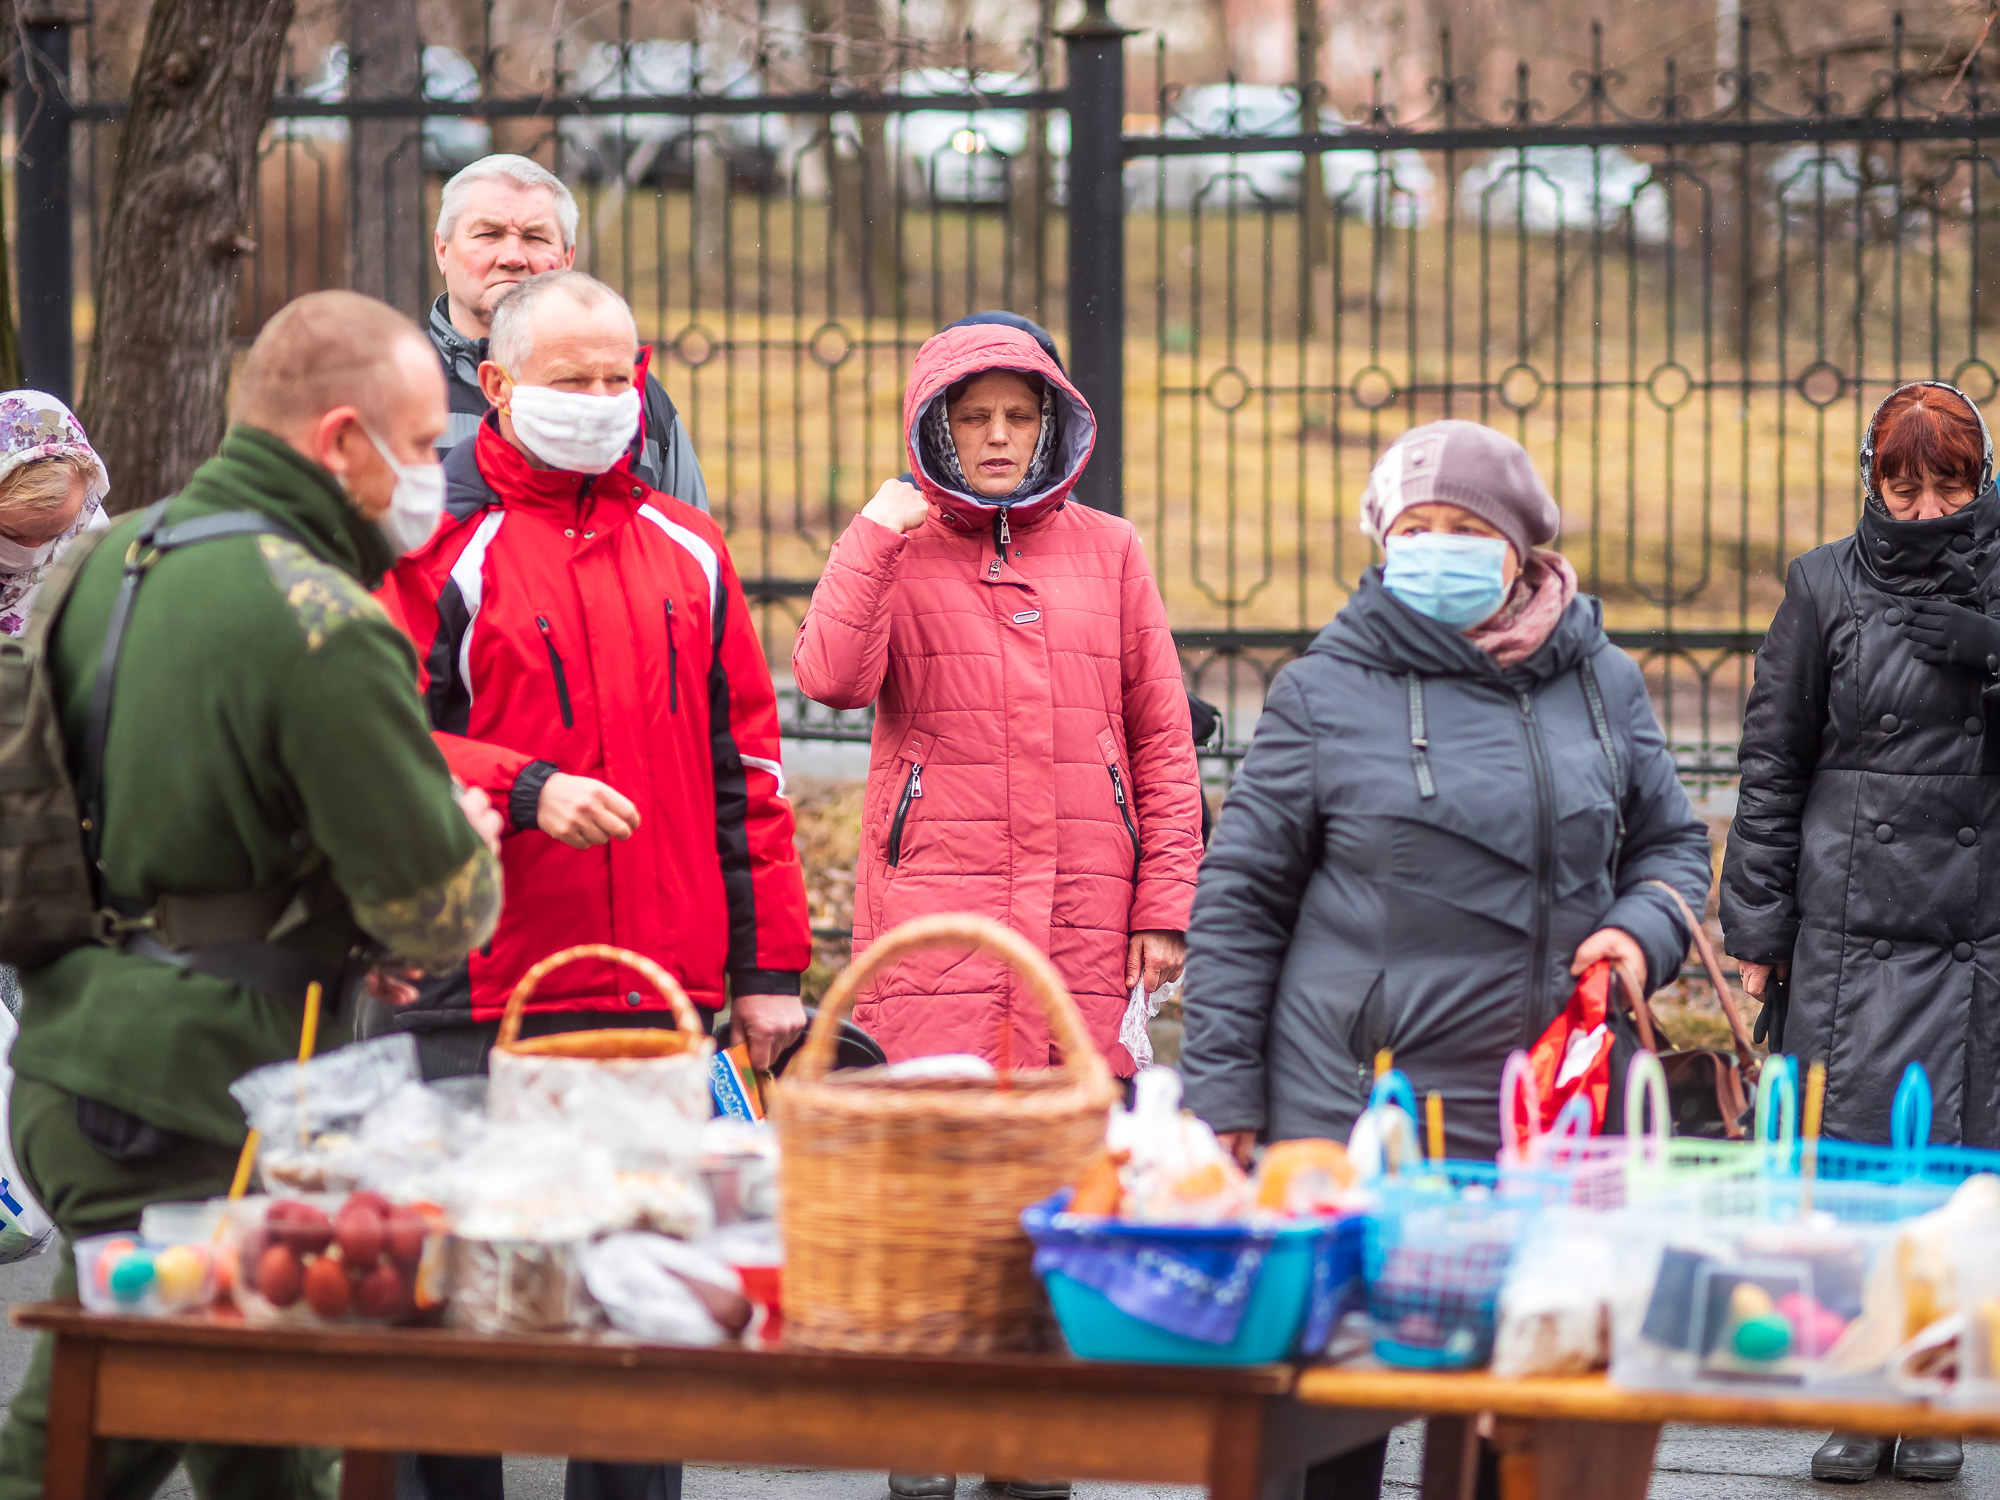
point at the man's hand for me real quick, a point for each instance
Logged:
(1951, 635)
(1623, 950)
(1239, 1144)
(1157, 955)
(899, 506)
(1756, 977)
(393, 984)
(479, 812)
(769, 1023)
(582, 812)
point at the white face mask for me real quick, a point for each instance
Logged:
(569, 430)
(15, 558)
(414, 505)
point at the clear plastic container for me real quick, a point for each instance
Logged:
(1751, 1304)
(332, 1258)
(145, 1277)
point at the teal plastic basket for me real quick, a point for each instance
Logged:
(1309, 1272)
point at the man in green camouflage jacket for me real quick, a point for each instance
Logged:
(265, 727)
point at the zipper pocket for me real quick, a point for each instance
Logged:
(913, 788)
(1125, 813)
(556, 666)
(673, 664)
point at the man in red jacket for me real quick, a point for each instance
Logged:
(588, 660)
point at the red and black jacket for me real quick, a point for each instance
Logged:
(592, 625)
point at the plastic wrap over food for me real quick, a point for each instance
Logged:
(1560, 1297)
(657, 1288)
(308, 1113)
(648, 1112)
(1174, 1170)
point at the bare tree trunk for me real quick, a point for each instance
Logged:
(388, 173)
(180, 202)
(1033, 186)
(863, 190)
(11, 375)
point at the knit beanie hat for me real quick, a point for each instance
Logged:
(1467, 465)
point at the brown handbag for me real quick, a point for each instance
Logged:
(1710, 1092)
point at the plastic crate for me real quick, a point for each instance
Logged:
(1292, 1282)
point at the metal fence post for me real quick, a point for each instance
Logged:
(1096, 50)
(42, 246)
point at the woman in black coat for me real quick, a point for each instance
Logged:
(1859, 888)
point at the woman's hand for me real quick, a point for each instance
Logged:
(1239, 1144)
(1158, 956)
(1623, 950)
(898, 505)
(1756, 976)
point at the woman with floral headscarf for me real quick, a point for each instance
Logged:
(52, 488)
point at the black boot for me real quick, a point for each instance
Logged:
(1929, 1458)
(1849, 1458)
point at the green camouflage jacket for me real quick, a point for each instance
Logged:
(266, 720)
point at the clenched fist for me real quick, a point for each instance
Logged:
(898, 505)
(582, 812)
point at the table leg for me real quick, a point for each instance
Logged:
(1236, 1451)
(1451, 1458)
(1549, 1460)
(366, 1475)
(73, 1455)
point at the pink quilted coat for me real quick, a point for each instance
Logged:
(1032, 759)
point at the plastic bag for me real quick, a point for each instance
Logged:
(1134, 1033)
(1557, 1303)
(659, 1289)
(25, 1229)
(309, 1113)
(1174, 1171)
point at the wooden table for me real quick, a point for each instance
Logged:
(376, 1393)
(1560, 1439)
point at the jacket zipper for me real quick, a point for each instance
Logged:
(1544, 853)
(1001, 537)
(673, 664)
(1125, 812)
(913, 788)
(556, 666)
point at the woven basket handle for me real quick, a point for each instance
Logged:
(956, 930)
(686, 1017)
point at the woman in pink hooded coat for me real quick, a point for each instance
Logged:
(1032, 760)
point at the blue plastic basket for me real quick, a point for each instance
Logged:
(1305, 1277)
(1922, 1173)
(1438, 1248)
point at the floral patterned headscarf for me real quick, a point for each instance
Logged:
(35, 426)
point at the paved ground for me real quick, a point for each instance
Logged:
(1694, 1463)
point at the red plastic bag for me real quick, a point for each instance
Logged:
(1571, 1060)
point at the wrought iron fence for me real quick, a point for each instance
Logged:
(1686, 312)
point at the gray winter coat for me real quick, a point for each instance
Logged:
(1341, 909)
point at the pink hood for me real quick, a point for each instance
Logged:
(970, 349)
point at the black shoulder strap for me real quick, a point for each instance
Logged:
(1601, 723)
(153, 542)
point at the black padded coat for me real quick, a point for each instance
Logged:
(1361, 895)
(1866, 846)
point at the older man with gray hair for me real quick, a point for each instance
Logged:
(502, 220)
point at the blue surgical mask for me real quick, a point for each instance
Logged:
(1456, 580)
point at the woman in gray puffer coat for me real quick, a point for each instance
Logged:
(1454, 801)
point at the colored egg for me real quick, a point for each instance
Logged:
(1763, 1338)
(112, 1252)
(180, 1270)
(1748, 1300)
(132, 1276)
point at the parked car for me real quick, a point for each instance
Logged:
(952, 156)
(1547, 188)
(449, 141)
(658, 149)
(1364, 184)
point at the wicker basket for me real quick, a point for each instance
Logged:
(900, 1199)
(534, 1077)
